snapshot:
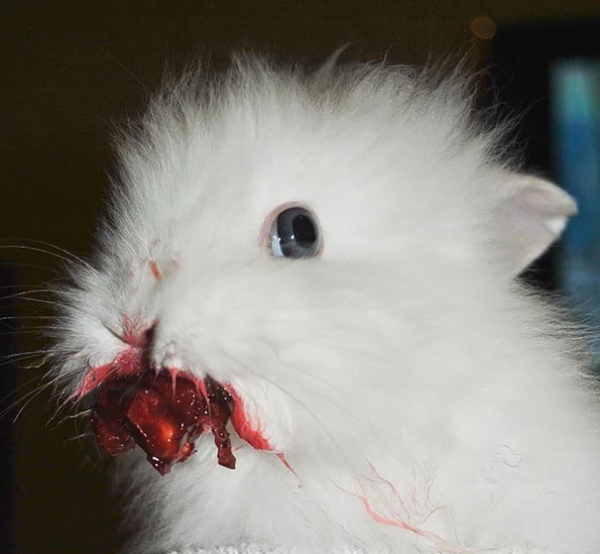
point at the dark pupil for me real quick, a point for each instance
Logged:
(297, 234)
(304, 232)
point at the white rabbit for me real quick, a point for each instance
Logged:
(335, 253)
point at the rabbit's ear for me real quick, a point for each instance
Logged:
(531, 215)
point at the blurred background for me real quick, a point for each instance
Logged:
(72, 70)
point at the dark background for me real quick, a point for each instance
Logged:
(70, 72)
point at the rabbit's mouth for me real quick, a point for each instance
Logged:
(164, 413)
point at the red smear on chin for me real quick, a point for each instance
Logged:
(253, 435)
(242, 423)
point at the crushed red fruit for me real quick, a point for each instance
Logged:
(164, 414)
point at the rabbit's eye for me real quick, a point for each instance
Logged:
(295, 234)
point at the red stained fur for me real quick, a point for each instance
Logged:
(244, 426)
(155, 270)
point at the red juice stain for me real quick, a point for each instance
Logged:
(156, 272)
(253, 435)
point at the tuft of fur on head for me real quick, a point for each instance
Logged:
(424, 399)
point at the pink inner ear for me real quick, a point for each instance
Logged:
(529, 219)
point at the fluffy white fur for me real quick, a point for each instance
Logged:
(426, 401)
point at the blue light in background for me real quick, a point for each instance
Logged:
(575, 105)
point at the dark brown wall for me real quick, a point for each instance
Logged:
(70, 70)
